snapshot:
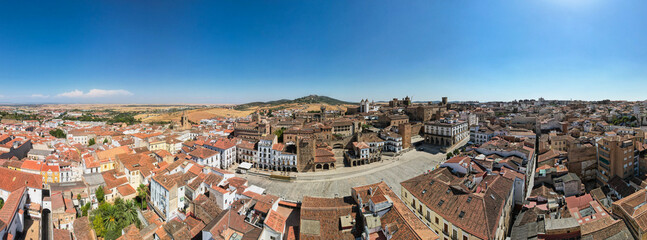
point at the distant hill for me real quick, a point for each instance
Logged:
(302, 100)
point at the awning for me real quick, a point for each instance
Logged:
(245, 165)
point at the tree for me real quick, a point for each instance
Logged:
(142, 193)
(112, 218)
(279, 134)
(105, 141)
(78, 198)
(91, 142)
(100, 194)
(84, 209)
(1, 203)
(456, 152)
(57, 133)
(97, 225)
(450, 155)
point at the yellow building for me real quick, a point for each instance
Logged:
(50, 173)
(107, 157)
(158, 144)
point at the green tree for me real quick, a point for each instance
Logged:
(97, 225)
(91, 142)
(100, 194)
(105, 141)
(1, 203)
(279, 134)
(456, 152)
(142, 193)
(115, 217)
(450, 155)
(84, 209)
(57, 133)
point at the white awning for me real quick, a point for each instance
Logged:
(245, 165)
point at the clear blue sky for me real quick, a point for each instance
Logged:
(241, 51)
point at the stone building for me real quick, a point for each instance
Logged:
(446, 133)
(405, 102)
(405, 132)
(582, 159)
(393, 120)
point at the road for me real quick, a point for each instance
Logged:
(338, 182)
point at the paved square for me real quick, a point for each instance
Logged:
(338, 182)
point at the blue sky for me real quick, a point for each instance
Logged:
(241, 51)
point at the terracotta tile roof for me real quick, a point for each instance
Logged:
(61, 234)
(278, 147)
(138, 162)
(112, 153)
(168, 181)
(275, 221)
(475, 212)
(206, 208)
(360, 145)
(10, 207)
(11, 180)
(126, 190)
(246, 145)
(232, 220)
(163, 153)
(32, 165)
(224, 143)
(635, 206)
(605, 228)
(320, 218)
(130, 233)
(203, 153)
(237, 182)
(113, 179)
(47, 168)
(195, 226)
(264, 202)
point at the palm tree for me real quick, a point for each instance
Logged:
(130, 214)
(142, 193)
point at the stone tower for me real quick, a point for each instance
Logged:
(305, 154)
(184, 122)
(405, 132)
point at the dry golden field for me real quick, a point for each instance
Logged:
(150, 112)
(194, 115)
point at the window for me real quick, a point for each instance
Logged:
(441, 203)
(469, 199)
(437, 222)
(461, 214)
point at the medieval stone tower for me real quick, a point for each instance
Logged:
(405, 132)
(305, 154)
(184, 122)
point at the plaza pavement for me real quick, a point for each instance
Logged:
(338, 182)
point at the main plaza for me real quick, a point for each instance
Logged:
(338, 182)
